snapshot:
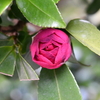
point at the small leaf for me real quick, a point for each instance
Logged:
(7, 61)
(25, 71)
(4, 4)
(58, 84)
(86, 33)
(41, 12)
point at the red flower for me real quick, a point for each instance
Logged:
(50, 48)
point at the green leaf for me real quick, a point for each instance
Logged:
(86, 33)
(41, 12)
(4, 4)
(73, 59)
(0, 20)
(98, 27)
(25, 71)
(7, 61)
(93, 7)
(56, 1)
(58, 84)
(4, 52)
(24, 39)
(16, 13)
(6, 42)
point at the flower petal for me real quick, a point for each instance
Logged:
(34, 48)
(63, 53)
(48, 55)
(50, 48)
(54, 37)
(42, 61)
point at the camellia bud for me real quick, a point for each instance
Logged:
(50, 48)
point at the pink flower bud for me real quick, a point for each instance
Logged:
(50, 48)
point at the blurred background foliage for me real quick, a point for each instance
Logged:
(88, 78)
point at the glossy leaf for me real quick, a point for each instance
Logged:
(25, 71)
(86, 33)
(4, 4)
(41, 12)
(58, 84)
(7, 61)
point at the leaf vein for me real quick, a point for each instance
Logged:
(57, 85)
(42, 10)
(5, 56)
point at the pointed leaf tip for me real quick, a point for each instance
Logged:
(4, 4)
(25, 71)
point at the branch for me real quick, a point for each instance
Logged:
(9, 30)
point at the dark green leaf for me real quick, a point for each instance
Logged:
(0, 20)
(86, 33)
(98, 27)
(41, 12)
(25, 71)
(7, 61)
(16, 13)
(93, 7)
(4, 4)
(6, 42)
(4, 52)
(24, 39)
(58, 84)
